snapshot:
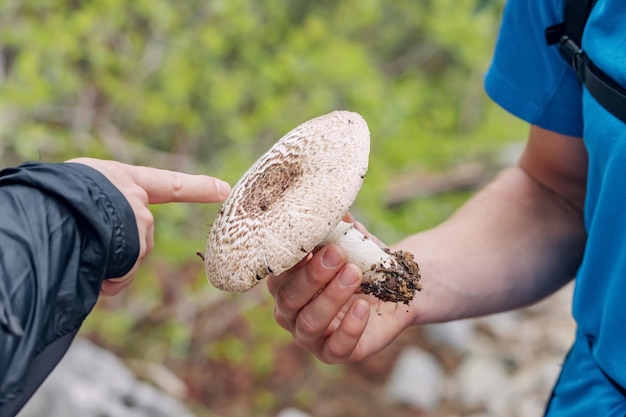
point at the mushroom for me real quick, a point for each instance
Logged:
(292, 200)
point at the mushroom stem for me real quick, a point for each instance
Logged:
(390, 276)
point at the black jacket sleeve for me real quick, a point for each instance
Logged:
(64, 228)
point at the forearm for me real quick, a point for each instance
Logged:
(512, 244)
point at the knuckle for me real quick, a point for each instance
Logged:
(332, 297)
(325, 360)
(305, 346)
(286, 300)
(307, 325)
(176, 184)
(335, 353)
(177, 180)
(282, 320)
(351, 332)
(271, 286)
(149, 247)
(146, 218)
(329, 358)
(315, 278)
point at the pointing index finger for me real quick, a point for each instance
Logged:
(164, 186)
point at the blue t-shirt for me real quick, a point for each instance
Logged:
(531, 80)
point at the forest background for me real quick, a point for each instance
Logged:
(206, 86)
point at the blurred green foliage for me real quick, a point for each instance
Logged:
(206, 86)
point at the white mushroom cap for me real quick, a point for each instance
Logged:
(288, 201)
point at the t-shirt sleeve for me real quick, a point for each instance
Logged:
(527, 77)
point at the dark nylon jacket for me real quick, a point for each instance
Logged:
(64, 228)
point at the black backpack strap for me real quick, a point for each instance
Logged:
(611, 95)
(568, 35)
(576, 14)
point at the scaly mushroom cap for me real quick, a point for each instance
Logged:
(288, 201)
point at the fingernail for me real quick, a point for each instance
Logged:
(332, 257)
(223, 188)
(347, 278)
(360, 310)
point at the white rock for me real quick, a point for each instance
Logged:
(92, 382)
(455, 334)
(482, 382)
(503, 325)
(417, 380)
(292, 412)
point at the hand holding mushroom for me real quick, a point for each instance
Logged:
(319, 303)
(292, 201)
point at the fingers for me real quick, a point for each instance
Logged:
(163, 186)
(142, 186)
(275, 281)
(348, 218)
(114, 286)
(111, 287)
(342, 345)
(160, 185)
(316, 317)
(313, 302)
(292, 293)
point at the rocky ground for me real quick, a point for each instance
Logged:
(503, 365)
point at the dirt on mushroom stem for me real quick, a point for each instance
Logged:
(399, 283)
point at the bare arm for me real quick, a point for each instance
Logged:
(516, 241)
